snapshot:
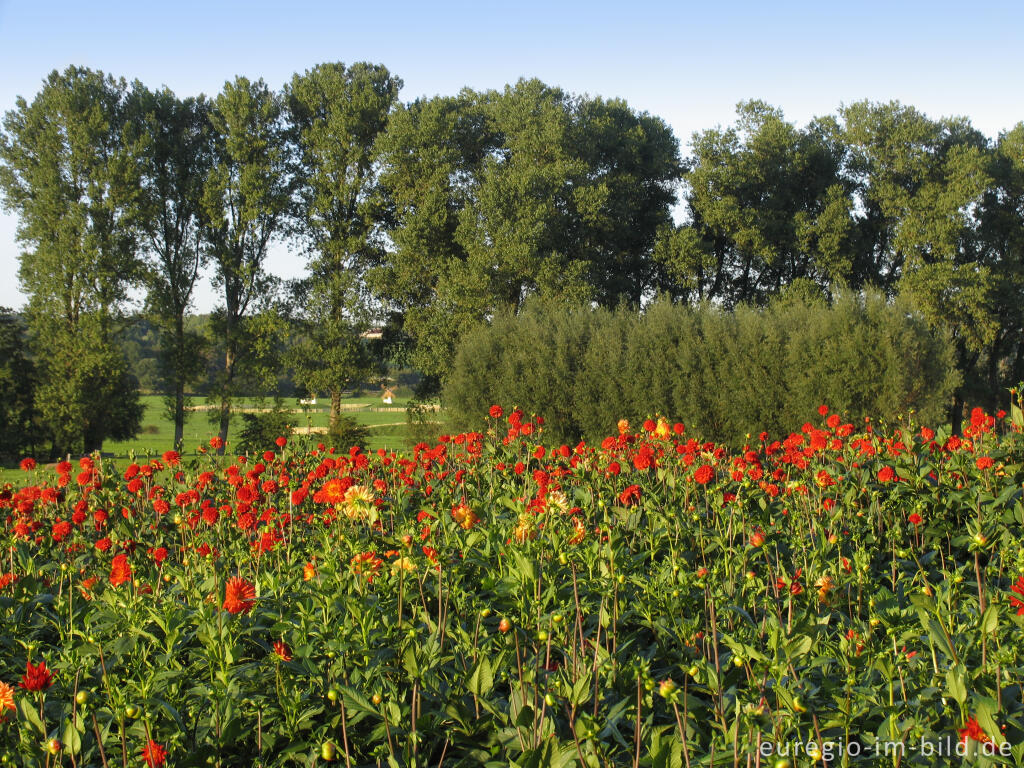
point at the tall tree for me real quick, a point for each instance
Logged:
(245, 202)
(766, 205)
(431, 156)
(915, 181)
(624, 198)
(1000, 245)
(918, 185)
(337, 115)
(502, 195)
(175, 162)
(69, 171)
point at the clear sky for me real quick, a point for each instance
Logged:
(687, 62)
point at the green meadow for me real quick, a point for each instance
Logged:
(387, 425)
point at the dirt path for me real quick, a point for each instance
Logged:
(323, 430)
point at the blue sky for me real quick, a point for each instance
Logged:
(687, 62)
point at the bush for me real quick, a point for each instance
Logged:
(260, 430)
(345, 432)
(424, 422)
(724, 374)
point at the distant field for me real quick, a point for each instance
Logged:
(388, 429)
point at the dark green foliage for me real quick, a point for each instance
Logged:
(69, 169)
(260, 430)
(336, 114)
(19, 434)
(86, 393)
(345, 432)
(532, 359)
(176, 158)
(594, 396)
(245, 201)
(448, 212)
(865, 356)
(502, 195)
(724, 374)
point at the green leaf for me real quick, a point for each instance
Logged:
(923, 602)
(410, 662)
(580, 690)
(547, 755)
(1018, 753)
(670, 755)
(525, 717)
(30, 715)
(357, 706)
(524, 566)
(798, 646)
(985, 709)
(955, 683)
(172, 712)
(990, 620)
(938, 636)
(482, 679)
(72, 737)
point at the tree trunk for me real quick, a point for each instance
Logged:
(225, 400)
(179, 383)
(335, 407)
(225, 395)
(956, 414)
(179, 414)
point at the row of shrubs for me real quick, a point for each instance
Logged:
(260, 431)
(725, 374)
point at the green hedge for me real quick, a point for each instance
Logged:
(724, 374)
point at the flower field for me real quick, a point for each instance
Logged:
(852, 594)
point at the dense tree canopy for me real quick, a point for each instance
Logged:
(336, 115)
(436, 216)
(18, 432)
(70, 172)
(498, 196)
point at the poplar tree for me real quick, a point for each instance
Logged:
(246, 199)
(336, 115)
(68, 170)
(175, 162)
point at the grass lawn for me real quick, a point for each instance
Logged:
(387, 429)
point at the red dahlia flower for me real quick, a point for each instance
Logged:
(630, 495)
(704, 474)
(282, 650)
(1017, 602)
(239, 596)
(154, 754)
(36, 678)
(972, 730)
(120, 570)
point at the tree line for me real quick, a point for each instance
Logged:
(433, 216)
(728, 376)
